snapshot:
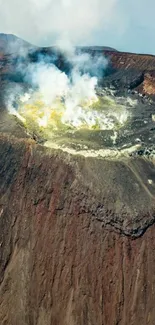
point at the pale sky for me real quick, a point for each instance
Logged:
(126, 25)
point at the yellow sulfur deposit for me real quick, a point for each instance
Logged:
(93, 114)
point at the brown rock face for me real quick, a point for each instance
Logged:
(128, 61)
(77, 238)
(138, 69)
(147, 87)
(141, 63)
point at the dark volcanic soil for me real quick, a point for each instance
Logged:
(77, 234)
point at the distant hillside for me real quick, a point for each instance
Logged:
(10, 44)
(98, 48)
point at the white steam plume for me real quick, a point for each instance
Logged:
(57, 99)
(66, 95)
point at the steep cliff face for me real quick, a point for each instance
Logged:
(77, 237)
(77, 231)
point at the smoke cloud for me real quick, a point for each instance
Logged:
(44, 22)
(51, 91)
(57, 100)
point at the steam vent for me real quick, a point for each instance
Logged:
(77, 186)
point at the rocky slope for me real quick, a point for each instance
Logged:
(77, 233)
(136, 70)
(77, 238)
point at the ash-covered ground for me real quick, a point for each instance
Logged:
(129, 126)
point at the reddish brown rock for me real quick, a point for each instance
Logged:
(66, 256)
(147, 87)
(128, 61)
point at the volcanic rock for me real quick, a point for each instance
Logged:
(77, 233)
